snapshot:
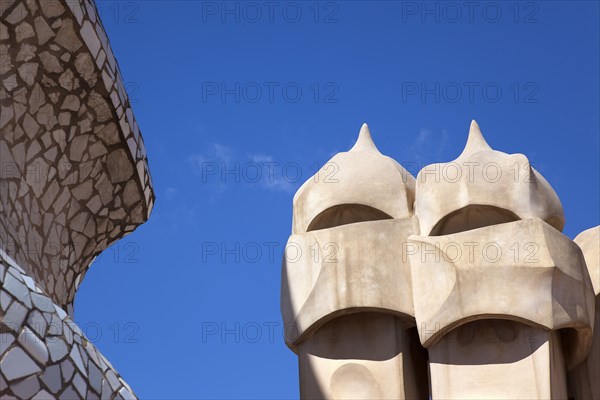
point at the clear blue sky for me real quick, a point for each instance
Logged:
(156, 302)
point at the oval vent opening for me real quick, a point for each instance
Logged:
(472, 217)
(345, 214)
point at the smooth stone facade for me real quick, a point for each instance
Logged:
(498, 359)
(584, 378)
(342, 269)
(459, 285)
(524, 270)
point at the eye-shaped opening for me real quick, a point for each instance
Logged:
(344, 214)
(472, 217)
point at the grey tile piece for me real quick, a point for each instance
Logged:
(43, 395)
(6, 340)
(91, 395)
(107, 391)
(126, 394)
(105, 364)
(42, 302)
(14, 265)
(84, 356)
(37, 323)
(52, 379)
(76, 10)
(90, 38)
(74, 327)
(57, 347)
(3, 384)
(17, 289)
(15, 316)
(55, 327)
(18, 275)
(95, 377)
(61, 313)
(29, 282)
(26, 388)
(67, 334)
(33, 345)
(79, 384)
(17, 364)
(5, 300)
(76, 357)
(93, 355)
(67, 370)
(112, 380)
(69, 394)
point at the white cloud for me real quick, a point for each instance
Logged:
(216, 153)
(264, 173)
(272, 177)
(428, 145)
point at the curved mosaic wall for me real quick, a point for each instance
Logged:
(73, 179)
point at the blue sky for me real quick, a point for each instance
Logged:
(188, 305)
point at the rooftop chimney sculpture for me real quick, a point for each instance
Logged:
(456, 285)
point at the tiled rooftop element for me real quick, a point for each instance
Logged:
(74, 174)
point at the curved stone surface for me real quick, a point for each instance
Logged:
(524, 271)
(43, 353)
(74, 174)
(364, 185)
(498, 359)
(589, 242)
(450, 196)
(345, 269)
(583, 380)
(363, 356)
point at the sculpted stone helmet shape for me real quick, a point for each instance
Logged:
(457, 284)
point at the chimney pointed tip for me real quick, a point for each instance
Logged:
(365, 141)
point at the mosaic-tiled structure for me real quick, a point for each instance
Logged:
(455, 285)
(44, 354)
(73, 179)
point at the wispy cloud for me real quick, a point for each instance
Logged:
(216, 153)
(427, 145)
(209, 163)
(221, 166)
(419, 145)
(170, 193)
(272, 178)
